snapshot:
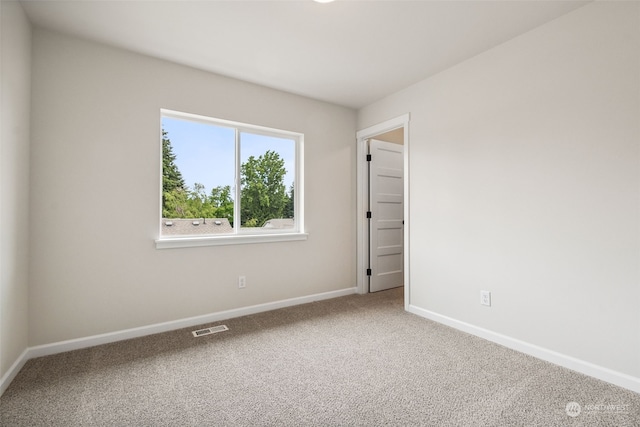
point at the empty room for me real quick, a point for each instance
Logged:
(319, 213)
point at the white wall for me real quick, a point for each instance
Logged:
(525, 181)
(95, 195)
(14, 182)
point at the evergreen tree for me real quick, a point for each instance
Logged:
(173, 186)
(171, 176)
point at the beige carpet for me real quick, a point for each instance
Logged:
(357, 361)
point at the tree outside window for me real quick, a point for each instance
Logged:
(201, 163)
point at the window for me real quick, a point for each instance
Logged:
(226, 182)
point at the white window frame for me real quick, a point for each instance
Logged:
(240, 235)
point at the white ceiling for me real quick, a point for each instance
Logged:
(348, 52)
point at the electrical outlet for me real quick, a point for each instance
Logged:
(242, 282)
(485, 298)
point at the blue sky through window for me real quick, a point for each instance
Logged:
(205, 153)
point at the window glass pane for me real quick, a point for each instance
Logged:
(198, 178)
(267, 181)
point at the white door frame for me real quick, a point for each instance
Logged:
(362, 194)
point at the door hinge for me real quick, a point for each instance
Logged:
(368, 157)
(369, 214)
(368, 272)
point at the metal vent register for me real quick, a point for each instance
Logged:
(209, 331)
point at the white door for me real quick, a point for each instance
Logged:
(386, 204)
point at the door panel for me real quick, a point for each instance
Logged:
(386, 202)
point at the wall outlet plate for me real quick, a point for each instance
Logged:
(485, 298)
(242, 282)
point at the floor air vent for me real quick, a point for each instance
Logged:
(209, 331)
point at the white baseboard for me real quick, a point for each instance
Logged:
(617, 378)
(13, 371)
(79, 343)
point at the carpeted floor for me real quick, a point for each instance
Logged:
(359, 360)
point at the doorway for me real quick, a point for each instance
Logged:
(383, 236)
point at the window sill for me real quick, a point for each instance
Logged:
(192, 242)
